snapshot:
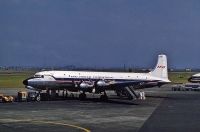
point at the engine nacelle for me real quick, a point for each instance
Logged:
(86, 85)
(102, 83)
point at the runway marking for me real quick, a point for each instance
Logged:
(47, 122)
(64, 124)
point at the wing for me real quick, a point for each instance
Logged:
(138, 83)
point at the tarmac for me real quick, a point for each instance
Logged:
(179, 112)
(163, 110)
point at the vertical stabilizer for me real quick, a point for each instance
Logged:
(161, 68)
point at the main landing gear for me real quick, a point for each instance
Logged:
(82, 96)
(104, 97)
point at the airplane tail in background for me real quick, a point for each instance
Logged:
(161, 70)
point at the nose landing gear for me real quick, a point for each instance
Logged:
(38, 98)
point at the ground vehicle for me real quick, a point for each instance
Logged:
(5, 99)
(28, 96)
(22, 96)
(186, 87)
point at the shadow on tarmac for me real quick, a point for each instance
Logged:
(110, 100)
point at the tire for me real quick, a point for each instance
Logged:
(38, 98)
(103, 97)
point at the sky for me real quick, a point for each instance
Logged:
(100, 33)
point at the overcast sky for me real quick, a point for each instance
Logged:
(101, 33)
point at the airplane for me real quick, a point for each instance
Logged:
(195, 78)
(99, 82)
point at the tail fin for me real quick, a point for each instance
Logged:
(161, 68)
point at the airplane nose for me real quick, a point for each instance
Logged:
(25, 82)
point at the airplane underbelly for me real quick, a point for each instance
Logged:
(51, 84)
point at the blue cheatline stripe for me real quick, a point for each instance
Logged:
(72, 79)
(88, 79)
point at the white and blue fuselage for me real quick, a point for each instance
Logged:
(100, 81)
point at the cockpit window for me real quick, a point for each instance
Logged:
(39, 76)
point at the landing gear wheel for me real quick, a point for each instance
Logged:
(82, 96)
(72, 95)
(66, 95)
(118, 93)
(104, 97)
(130, 97)
(38, 98)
